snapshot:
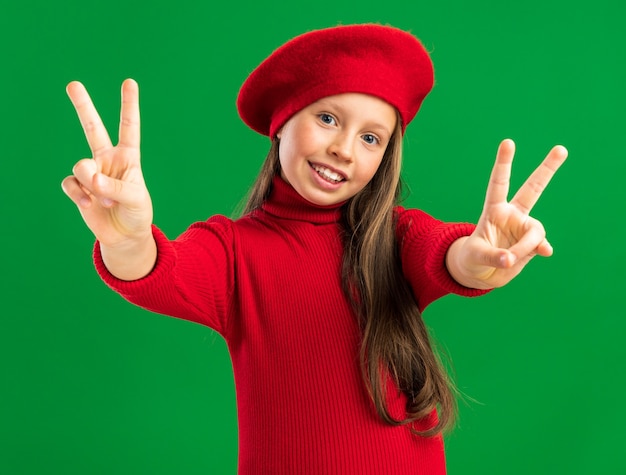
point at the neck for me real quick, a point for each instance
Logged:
(286, 203)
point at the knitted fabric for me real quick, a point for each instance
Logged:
(269, 283)
(382, 61)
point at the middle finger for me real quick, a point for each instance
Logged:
(530, 192)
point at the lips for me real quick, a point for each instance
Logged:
(327, 174)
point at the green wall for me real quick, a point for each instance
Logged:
(91, 384)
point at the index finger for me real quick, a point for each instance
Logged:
(97, 136)
(129, 135)
(498, 187)
(529, 193)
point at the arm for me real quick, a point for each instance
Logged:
(506, 238)
(423, 244)
(190, 277)
(109, 188)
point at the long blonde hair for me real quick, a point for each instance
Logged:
(395, 339)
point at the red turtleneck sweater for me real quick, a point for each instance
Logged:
(269, 283)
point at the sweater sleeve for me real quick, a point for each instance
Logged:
(192, 278)
(424, 242)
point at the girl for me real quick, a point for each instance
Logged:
(318, 288)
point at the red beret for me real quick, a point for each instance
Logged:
(382, 61)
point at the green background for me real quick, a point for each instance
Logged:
(91, 384)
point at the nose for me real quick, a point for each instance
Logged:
(341, 146)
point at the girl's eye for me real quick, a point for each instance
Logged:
(370, 139)
(327, 119)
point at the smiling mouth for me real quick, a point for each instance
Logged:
(327, 174)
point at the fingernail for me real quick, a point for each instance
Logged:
(507, 259)
(107, 202)
(84, 202)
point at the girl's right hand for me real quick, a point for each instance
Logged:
(109, 188)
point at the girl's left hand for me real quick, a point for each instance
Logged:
(506, 238)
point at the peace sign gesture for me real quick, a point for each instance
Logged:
(506, 237)
(109, 188)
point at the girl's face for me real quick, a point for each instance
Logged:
(332, 148)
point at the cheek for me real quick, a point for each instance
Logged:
(297, 144)
(288, 159)
(287, 149)
(369, 168)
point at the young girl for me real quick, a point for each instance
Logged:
(318, 288)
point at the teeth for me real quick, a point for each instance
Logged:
(328, 174)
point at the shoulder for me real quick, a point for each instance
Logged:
(228, 230)
(218, 224)
(413, 221)
(215, 234)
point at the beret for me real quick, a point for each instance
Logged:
(382, 61)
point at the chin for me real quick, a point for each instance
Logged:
(316, 198)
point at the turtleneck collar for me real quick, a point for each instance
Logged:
(285, 202)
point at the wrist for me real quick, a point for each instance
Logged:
(130, 259)
(456, 260)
